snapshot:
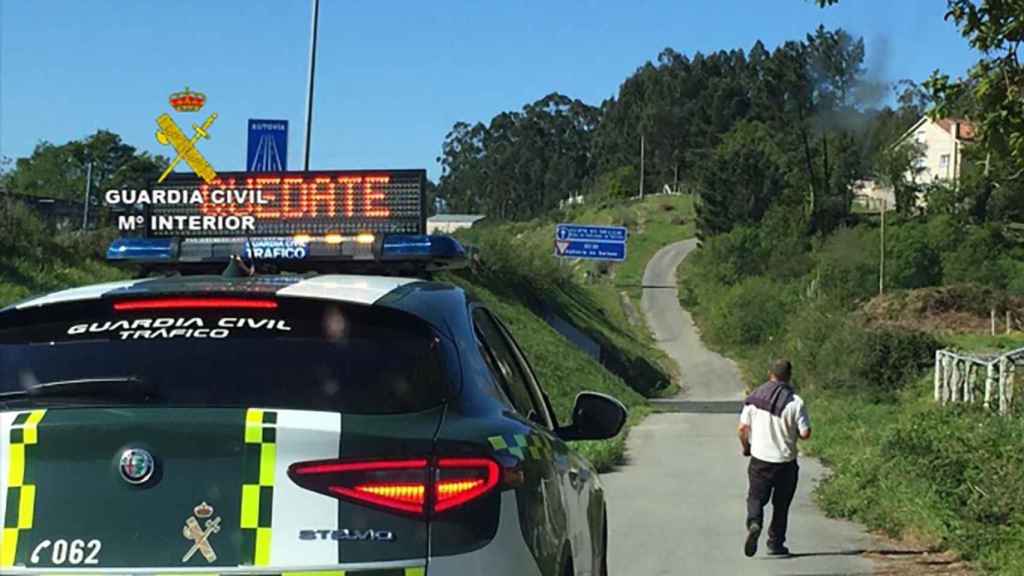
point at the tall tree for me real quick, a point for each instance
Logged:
(742, 178)
(522, 163)
(60, 170)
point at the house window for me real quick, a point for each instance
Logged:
(944, 165)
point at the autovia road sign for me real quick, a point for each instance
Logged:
(267, 149)
(591, 242)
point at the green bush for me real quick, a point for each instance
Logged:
(892, 357)
(751, 312)
(786, 253)
(22, 233)
(944, 233)
(513, 267)
(1015, 277)
(847, 266)
(953, 476)
(617, 184)
(34, 258)
(977, 258)
(831, 350)
(624, 216)
(911, 262)
(728, 258)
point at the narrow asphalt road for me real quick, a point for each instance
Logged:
(678, 507)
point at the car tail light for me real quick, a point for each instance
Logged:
(461, 480)
(414, 486)
(193, 303)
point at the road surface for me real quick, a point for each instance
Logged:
(677, 507)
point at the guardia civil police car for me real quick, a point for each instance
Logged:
(296, 423)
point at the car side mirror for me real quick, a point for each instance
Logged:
(594, 417)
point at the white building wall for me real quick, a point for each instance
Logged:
(942, 153)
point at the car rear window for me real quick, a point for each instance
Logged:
(289, 354)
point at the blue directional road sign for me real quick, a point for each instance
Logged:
(268, 146)
(591, 242)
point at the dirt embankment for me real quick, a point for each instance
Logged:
(960, 309)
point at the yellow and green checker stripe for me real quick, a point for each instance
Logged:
(259, 459)
(21, 494)
(522, 446)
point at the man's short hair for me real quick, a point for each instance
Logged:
(782, 369)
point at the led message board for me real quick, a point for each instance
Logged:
(315, 203)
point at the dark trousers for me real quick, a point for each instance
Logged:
(775, 482)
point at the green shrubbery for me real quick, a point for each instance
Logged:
(509, 263)
(912, 260)
(34, 258)
(951, 476)
(751, 312)
(846, 266)
(984, 255)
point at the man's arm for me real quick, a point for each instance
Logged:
(803, 423)
(744, 434)
(746, 418)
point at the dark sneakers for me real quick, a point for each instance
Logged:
(777, 549)
(753, 533)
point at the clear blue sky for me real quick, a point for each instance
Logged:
(392, 77)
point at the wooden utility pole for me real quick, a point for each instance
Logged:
(88, 195)
(881, 259)
(641, 166)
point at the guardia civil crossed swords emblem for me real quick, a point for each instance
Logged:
(170, 134)
(200, 535)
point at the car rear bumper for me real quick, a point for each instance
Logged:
(506, 555)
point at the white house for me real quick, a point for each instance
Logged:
(942, 142)
(448, 223)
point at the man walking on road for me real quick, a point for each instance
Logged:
(773, 418)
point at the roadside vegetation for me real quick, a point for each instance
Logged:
(35, 259)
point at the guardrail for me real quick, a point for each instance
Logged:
(957, 374)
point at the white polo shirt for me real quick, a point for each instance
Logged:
(773, 438)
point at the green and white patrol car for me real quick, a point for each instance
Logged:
(296, 424)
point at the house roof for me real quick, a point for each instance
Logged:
(454, 218)
(967, 129)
